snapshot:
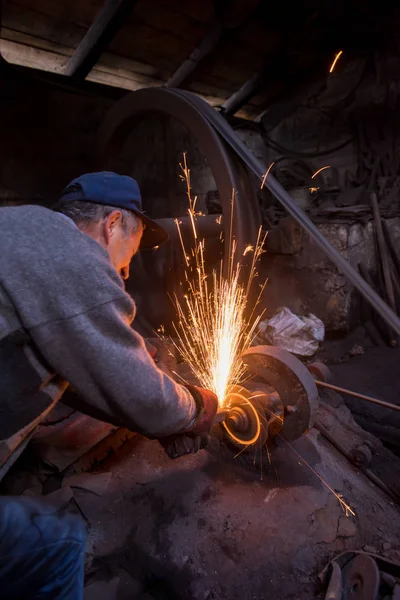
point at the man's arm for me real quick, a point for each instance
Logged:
(108, 365)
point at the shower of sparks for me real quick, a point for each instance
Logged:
(264, 179)
(319, 171)
(338, 55)
(216, 319)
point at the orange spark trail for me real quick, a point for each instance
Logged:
(319, 170)
(264, 179)
(338, 55)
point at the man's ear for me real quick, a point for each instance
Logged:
(111, 223)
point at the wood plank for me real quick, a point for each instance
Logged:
(116, 80)
(235, 62)
(50, 61)
(77, 12)
(200, 88)
(41, 25)
(150, 45)
(159, 15)
(198, 10)
(35, 58)
(84, 11)
(257, 36)
(108, 61)
(113, 65)
(47, 60)
(108, 22)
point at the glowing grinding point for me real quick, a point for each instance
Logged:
(242, 424)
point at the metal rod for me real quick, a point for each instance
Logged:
(207, 226)
(243, 94)
(335, 388)
(220, 416)
(384, 257)
(392, 250)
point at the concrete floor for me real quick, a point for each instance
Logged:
(206, 528)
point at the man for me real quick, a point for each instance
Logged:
(65, 319)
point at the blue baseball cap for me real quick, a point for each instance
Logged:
(121, 191)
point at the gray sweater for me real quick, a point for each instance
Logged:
(65, 317)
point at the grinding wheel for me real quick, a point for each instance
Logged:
(292, 381)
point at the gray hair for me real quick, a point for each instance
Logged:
(85, 213)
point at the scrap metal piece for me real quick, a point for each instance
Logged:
(292, 381)
(361, 579)
(362, 455)
(334, 591)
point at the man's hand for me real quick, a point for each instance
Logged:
(184, 443)
(196, 436)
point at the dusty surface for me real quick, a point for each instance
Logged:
(201, 527)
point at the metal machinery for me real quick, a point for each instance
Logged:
(282, 397)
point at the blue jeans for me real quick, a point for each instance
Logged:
(41, 552)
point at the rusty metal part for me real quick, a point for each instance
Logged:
(362, 455)
(274, 411)
(245, 424)
(367, 472)
(228, 170)
(340, 390)
(207, 226)
(388, 573)
(334, 591)
(320, 371)
(293, 383)
(361, 579)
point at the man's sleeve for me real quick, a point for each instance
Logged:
(108, 365)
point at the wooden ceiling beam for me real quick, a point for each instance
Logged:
(206, 46)
(106, 25)
(243, 94)
(230, 16)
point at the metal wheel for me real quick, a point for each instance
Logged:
(293, 383)
(228, 171)
(361, 579)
